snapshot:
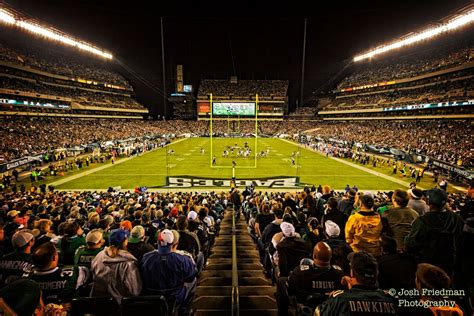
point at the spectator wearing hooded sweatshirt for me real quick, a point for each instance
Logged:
(434, 235)
(115, 270)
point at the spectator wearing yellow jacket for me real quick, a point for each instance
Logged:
(364, 227)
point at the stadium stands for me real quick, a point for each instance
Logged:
(433, 80)
(49, 79)
(243, 89)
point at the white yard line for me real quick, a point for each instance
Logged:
(375, 173)
(88, 172)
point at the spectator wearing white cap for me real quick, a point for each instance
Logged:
(332, 233)
(333, 214)
(169, 271)
(198, 227)
(20, 261)
(290, 250)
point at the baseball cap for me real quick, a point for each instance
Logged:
(117, 236)
(167, 238)
(332, 229)
(21, 238)
(192, 215)
(364, 264)
(437, 197)
(138, 232)
(94, 236)
(287, 229)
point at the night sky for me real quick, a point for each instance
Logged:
(252, 41)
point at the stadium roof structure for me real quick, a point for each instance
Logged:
(459, 18)
(12, 17)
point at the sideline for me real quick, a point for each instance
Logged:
(375, 173)
(88, 172)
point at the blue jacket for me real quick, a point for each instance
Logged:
(167, 272)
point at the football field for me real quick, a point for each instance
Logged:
(190, 166)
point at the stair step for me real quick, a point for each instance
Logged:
(203, 290)
(215, 281)
(252, 281)
(257, 302)
(213, 302)
(257, 290)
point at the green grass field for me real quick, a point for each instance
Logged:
(152, 169)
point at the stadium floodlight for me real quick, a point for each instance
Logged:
(33, 27)
(451, 24)
(6, 17)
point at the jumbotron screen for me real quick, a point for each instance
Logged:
(233, 108)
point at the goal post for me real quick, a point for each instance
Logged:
(232, 120)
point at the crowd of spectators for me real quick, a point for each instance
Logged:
(448, 140)
(243, 89)
(29, 136)
(59, 60)
(439, 91)
(411, 65)
(332, 251)
(115, 244)
(61, 245)
(85, 97)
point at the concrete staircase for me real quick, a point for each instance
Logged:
(214, 290)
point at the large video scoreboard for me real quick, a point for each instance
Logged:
(241, 109)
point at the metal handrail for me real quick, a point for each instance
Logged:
(235, 274)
